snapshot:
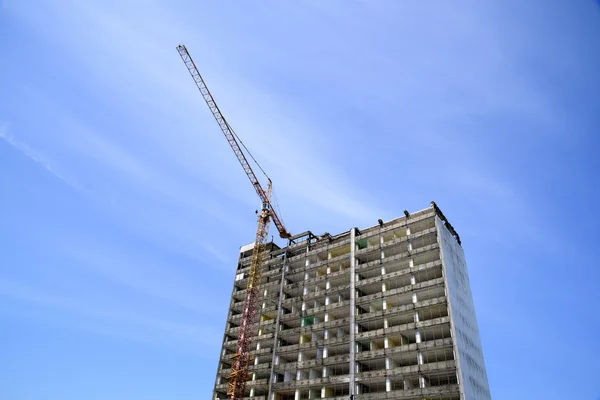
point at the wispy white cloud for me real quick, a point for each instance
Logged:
(291, 142)
(37, 157)
(119, 182)
(109, 319)
(330, 190)
(171, 284)
(193, 168)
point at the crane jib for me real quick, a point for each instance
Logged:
(230, 136)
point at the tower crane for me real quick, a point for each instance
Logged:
(236, 384)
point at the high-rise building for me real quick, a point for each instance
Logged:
(373, 313)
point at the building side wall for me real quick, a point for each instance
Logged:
(473, 377)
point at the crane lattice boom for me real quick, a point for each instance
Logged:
(236, 385)
(230, 136)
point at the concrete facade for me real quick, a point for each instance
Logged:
(374, 313)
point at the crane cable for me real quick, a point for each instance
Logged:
(247, 151)
(275, 202)
(276, 205)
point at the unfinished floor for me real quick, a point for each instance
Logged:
(382, 312)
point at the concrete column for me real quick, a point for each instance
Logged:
(389, 363)
(416, 316)
(383, 287)
(413, 280)
(414, 297)
(325, 372)
(422, 382)
(297, 394)
(418, 336)
(251, 392)
(327, 300)
(383, 270)
(385, 323)
(384, 305)
(352, 382)
(411, 262)
(388, 385)
(420, 358)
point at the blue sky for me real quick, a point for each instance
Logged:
(123, 208)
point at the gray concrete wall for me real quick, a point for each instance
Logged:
(473, 377)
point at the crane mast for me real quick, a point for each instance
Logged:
(236, 385)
